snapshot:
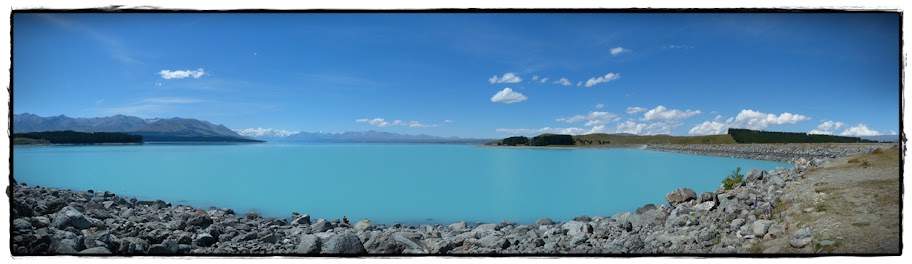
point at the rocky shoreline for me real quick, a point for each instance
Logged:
(57, 221)
(788, 153)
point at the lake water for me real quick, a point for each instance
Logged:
(387, 183)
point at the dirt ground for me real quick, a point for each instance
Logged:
(851, 205)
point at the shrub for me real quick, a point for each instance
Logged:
(736, 178)
(877, 151)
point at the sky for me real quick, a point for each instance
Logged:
(481, 75)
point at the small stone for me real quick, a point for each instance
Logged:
(771, 250)
(827, 243)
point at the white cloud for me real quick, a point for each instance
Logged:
(167, 74)
(551, 130)
(892, 132)
(535, 77)
(634, 110)
(710, 128)
(544, 80)
(564, 82)
(592, 119)
(618, 51)
(859, 130)
(827, 128)
(380, 122)
(599, 106)
(758, 120)
(660, 113)
(448, 121)
(578, 84)
(603, 79)
(508, 96)
(506, 78)
(644, 128)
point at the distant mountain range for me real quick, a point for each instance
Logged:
(370, 136)
(152, 130)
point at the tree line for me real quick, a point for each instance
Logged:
(756, 136)
(73, 137)
(540, 140)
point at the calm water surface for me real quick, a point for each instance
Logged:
(387, 183)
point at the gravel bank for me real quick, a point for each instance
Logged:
(788, 153)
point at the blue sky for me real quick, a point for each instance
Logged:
(468, 75)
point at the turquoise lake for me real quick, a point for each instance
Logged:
(387, 183)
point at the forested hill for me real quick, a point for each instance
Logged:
(73, 137)
(756, 136)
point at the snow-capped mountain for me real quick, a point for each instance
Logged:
(265, 132)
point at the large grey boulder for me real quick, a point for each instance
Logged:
(458, 226)
(412, 244)
(494, 242)
(576, 228)
(801, 238)
(321, 226)
(69, 216)
(680, 195)
(544, 221)
(96, 251)
(760, 227)
(310, 244)
(364, 225)
(301, 220)
(205, 240)
(345, 243)
(21, 225)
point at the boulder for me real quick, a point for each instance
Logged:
(760, 227)
(645, 208)
(412, 245)
(95, 251)
(707, 196)
(776, 230)
(458, 226)
(301, 220)
(310, 244)
(486, 227)
(704, 206)
(69, 216)
(575, 228)
(755, 175)
(544, 221)
(270, 238)
(680, 195)
(493, 242)
(777, 181)
(345, 243)
(21, 225)
(321, 226)
(364, 225)
(582, 218)
(737, 223)
(204, 240)
(200, 220)
(801, 238)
